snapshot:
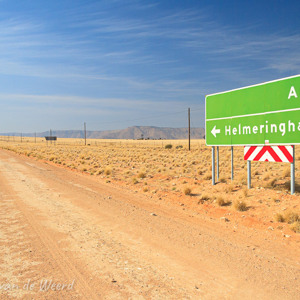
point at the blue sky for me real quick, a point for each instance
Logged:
(118, 63)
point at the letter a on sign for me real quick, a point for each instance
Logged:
(292, 93)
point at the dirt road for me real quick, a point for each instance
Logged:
(65, 235)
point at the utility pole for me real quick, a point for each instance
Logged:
(189, 116)
(84, 133)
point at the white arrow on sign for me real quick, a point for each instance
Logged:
(215, 131)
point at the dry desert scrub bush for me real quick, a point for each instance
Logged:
(279, 218)
(295, 227)
(240, 205)
(208, 177)
(108, 171)
(245, 192)
(229, 188)
(287, 217)
(204, 197)
(271, 183)
(187, 191)
(291, 217)
(142, 175)
(221, 201)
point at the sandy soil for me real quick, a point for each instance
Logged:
(65, 235)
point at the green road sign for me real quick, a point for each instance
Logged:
(262, 114)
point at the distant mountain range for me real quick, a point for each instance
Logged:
(135, 132)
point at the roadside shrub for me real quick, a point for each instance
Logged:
(229, 188)
(208, 177)
(204, 197)
(279, 218)
(187, 191)
(220, 201)
(291, 217)
(240, 205)
(141, 175)
(296, 226)
(168, 146)
(245, 192)
(271, 183)
(107, 171)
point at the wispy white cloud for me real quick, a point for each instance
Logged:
(67, 100)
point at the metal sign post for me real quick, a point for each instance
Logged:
(218, 171)
(249, 173)
(293, 173)
(213, 166)
(231, 162)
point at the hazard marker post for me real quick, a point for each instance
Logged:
(272, 154)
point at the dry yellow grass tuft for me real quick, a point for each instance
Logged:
(270, 183)
(240, 205)
(229, 188)
(291, 217)
(296, 226)
(279, 218)
(142, 175)
(187, 191)
(107, 171)
(220, 201)
(204, 197)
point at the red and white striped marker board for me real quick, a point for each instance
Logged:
(269, 153)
